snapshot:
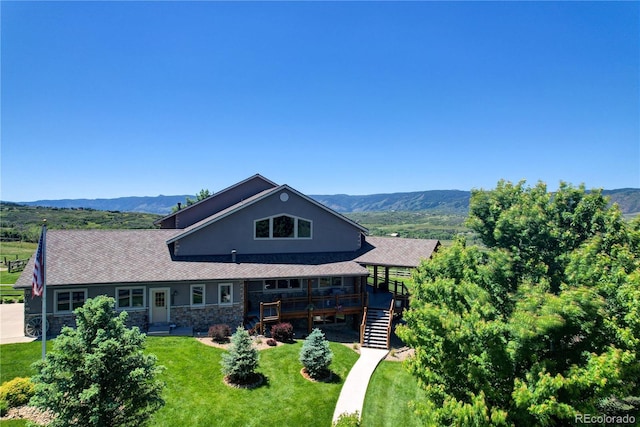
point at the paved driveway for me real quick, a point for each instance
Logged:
(12, 324)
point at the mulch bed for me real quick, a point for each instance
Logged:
(253, 381)
(326, 376)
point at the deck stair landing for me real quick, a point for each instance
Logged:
(376, 327)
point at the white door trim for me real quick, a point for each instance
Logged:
(152, 300)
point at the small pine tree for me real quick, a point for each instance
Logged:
(315, 354)
(240, 362)
(98, 374)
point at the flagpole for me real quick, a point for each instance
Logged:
(44, 288)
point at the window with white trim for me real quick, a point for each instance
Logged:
(197, 298)
(225, 293)
(130, 298)
(282, 227)
(67, 301)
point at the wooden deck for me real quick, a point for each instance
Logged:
(310, 307)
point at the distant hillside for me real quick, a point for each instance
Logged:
(19, 222)
(156, 205)
(627, 198)
(455, 201)
(442, 201)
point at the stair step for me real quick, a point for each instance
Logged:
(376, 328)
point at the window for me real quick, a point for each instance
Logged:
(127, 298)
(282, 227)
(282, 284)
(67, 301)
(225, 294)
(262, 229)
(304, 229)
(197, 295)
(326, 282)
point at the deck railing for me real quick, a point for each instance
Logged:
(269, 312)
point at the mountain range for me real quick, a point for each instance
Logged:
(455, 201)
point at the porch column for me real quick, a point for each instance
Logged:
(375, 278)
(386, 276)
(309, 302)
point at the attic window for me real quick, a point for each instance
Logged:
(282, 227)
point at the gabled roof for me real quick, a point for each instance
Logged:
(250, 201)
(238, 184)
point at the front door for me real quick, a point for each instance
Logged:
(159, 306)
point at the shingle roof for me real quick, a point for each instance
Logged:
(77, 257)
(397, 251)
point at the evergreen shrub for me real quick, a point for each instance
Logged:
(315, 355)
(240, 362)
(17, 391)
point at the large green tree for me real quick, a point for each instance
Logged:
(98, 373)
(540, 324)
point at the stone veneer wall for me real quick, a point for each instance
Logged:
(201, 318)
(198, 318)
(58, 321)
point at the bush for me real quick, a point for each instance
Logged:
(17, 392)
(348, 420)
(282, 332)
(271, 342)
(241, 360)
(4, 407)
(316, 355)
(219, 333)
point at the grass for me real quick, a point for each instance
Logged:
(12, 251)
(13, 423)
(387, 402)
(8, 291)
(195, 394)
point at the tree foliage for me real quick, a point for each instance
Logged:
(202, 194)
(98, 373)
(240, 362)
(540, 325)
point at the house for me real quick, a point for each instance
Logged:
(256, 251)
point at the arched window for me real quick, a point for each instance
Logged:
(282, 227)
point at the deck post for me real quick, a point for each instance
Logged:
(375, 279)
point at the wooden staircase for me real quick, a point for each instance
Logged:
(375, 330)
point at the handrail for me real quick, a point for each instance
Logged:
(362, 326)
(389, 324)
(323, 301)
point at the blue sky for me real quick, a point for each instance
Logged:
(109, 99)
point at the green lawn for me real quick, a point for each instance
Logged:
(196, 396)
(387, 402)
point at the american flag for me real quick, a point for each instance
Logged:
(37, 283)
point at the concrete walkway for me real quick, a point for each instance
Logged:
(12, 324)
(355, 386)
